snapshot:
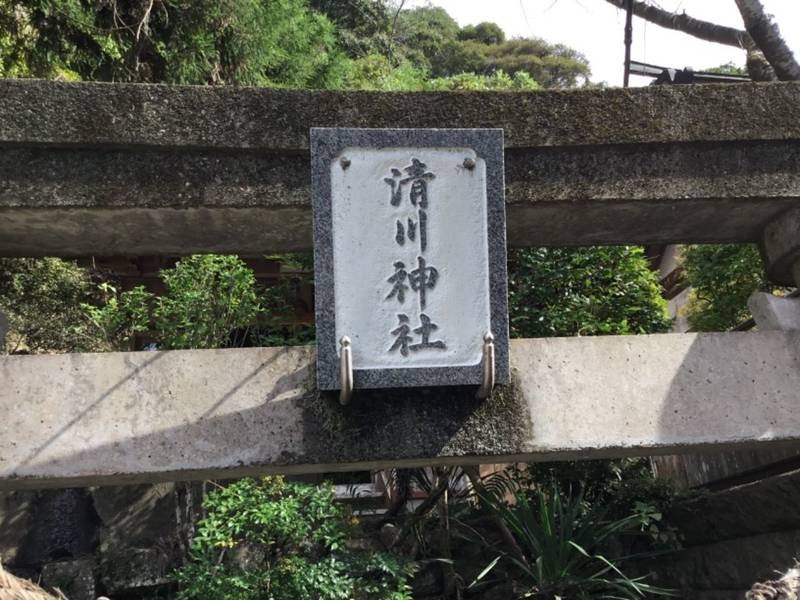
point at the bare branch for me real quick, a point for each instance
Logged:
(765, 33)
(705, 30)
(757, 64)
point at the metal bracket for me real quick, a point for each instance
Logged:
(345, 371)
(487, 368)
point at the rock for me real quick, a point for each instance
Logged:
(427, 581)
(136, 515)
(503, 591)
(139, 548)
(389, 534)
(127, 569)
(63, 525)
(73, 578)
(16, 521)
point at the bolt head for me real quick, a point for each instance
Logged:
(345, 162)
(469, 163)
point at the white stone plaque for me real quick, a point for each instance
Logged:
(409, 254)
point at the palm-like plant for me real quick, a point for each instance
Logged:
(557, 545)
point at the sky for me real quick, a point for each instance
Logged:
(596, 28)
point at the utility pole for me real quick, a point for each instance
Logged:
(628, 41)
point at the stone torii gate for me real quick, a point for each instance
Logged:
(106, 169)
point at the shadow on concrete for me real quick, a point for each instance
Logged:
(81, 414)
(732, 390)
(286, 426)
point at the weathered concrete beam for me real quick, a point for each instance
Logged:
(99, 169)
(114, 418)
(269, 120)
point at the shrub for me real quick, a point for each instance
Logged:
(583, 291)
(279, 540)
(207, 297)
(722, 278)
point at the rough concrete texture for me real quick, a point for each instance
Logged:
(136, 169)
(127, 417)
(772, 312)
(78, 202)
(780, 245)
(61, 113)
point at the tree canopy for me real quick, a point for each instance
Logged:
(432, 39)
(245, 42)
(293, 43)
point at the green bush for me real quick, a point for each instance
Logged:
(583, 291)
(722, 278)
(207, 298)
(278, 540)
(42, 299)
(114, 322)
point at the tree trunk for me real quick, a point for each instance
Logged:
(766, 35)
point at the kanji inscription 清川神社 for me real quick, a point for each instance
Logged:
(409, 248)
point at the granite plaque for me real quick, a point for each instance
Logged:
(409, 254)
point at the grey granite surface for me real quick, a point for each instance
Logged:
(326, 144)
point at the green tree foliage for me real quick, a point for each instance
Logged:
(42, 299)
(728, 68)
(363, 26)
(552, 65)
(284, 540)
(432, 40)
(246, 42)
(424, 33)
(117, 317)
(722, 277)
(207, 298)
(378, 72)
(485, 33)
(583, 291)
(499, 80)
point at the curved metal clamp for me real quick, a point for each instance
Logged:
(487, 368)
(345, 371)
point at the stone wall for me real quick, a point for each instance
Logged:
(733, 538)
(121, 540)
